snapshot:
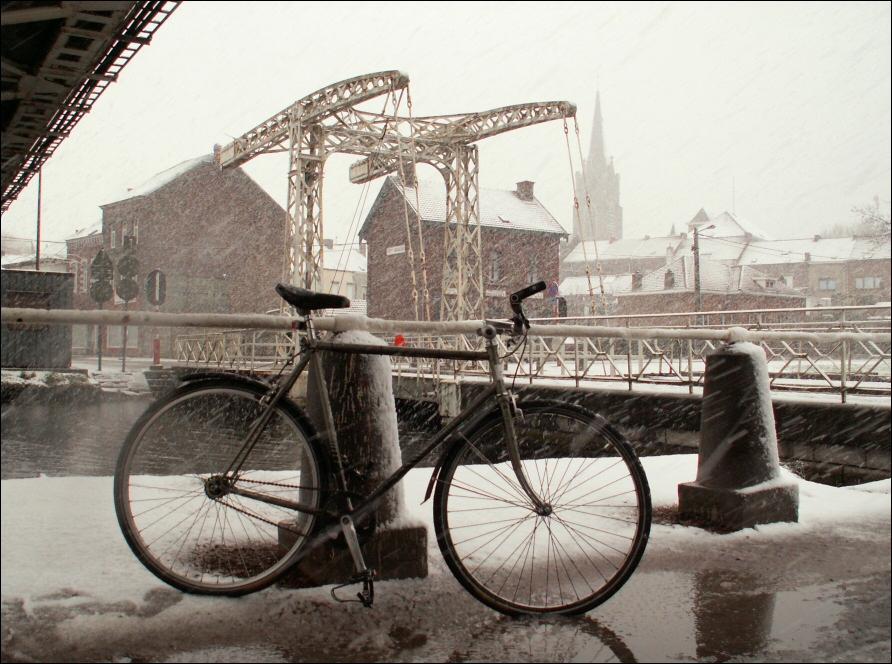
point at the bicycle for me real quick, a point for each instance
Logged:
(539, 508)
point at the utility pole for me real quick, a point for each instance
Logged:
(39, 186)
(698, 295)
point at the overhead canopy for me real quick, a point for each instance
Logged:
(57, 58)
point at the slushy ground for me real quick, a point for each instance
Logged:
(817, 590)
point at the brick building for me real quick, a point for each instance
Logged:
(216, 235)
(822, 271)
(829, 271)
(520, 241)
(671, 288)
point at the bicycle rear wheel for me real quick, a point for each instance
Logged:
(568, 560)
(177, 507)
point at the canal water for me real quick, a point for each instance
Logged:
(59, 438)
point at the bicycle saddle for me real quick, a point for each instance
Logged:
(307, 300)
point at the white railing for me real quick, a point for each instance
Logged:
(840, 361)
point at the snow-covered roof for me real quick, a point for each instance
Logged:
(356, 308)
(164, 177)
(727, 224)
(819, 250)
(647, 247)
(715, 276)
(15, 259)
(343, 260)
(613, 283)
(498, 208)
(86, 231)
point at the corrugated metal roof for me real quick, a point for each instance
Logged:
(498, 208)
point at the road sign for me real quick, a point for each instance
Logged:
(128, 265)
(125, 284)
(101, 291)
(156, 287)
(126, 289)
(101, 271)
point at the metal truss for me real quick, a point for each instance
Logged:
(58, 59)
(328, 122)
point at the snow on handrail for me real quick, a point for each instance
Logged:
(10, 315)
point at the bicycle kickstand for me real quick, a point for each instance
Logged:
(364, 574)
(366, 597)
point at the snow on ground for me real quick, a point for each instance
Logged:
(60, 536)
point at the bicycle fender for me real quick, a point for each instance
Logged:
(217, 375)
(493, 411)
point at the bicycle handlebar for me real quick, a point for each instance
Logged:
(518, 297)
(521, 324)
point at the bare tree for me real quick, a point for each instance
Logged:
(874, 221)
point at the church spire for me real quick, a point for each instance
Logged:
(596, 156)
(601, 182)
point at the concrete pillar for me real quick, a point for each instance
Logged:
(738, 483)
(360, 390)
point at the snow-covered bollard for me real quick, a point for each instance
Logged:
(739, 483)
(360, 391)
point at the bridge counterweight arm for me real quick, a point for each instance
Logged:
(465, 129)
(268, 135)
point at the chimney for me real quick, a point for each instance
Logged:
(525, 190)
(807, 257)
(817, 238)
(328, 243)
(363, 248)
(637, 279)
(217, 149)
(669, 280)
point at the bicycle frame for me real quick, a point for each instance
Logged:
(467, 419)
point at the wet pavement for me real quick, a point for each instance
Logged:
(808, 595)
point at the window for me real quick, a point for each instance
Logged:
(532, 274)
(114, 234)
(135, 232)
(826, 283)
(865, 283)
(494, 273)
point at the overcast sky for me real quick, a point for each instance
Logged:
(780, 110)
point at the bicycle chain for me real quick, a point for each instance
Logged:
(258, 517)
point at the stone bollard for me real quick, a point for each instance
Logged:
(360, 391)
(738, 483)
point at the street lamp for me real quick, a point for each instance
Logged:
(696, 249)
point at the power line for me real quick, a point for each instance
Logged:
(779, 252)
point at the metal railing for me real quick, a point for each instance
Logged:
(831, 364)
(841, 358)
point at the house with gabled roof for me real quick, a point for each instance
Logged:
(216, 235)
(825, 271)
(520, 238)
(671, 288)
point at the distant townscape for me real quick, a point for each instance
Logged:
(220, 241)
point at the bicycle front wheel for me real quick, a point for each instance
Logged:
(565, 559)
(179, 504)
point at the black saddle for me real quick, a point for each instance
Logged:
(307, 300)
